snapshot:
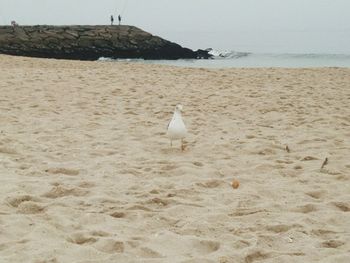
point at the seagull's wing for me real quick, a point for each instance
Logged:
(169, 123)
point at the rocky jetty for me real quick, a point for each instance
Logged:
(90, 43)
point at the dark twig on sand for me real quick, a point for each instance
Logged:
(287, 149)
(324, 163)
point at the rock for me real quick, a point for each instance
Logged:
(90, 43)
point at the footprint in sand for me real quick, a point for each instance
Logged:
(266, 151)
(298, 167)
(87, 184)
(118, 214)
(81, 238)
(29, 207)
(61, 191)
(330, 172)
(146, 252)
(140, 207)
(257, 256)
(159, 201)
(323, 233)
(109, 246)
(309, 158)
(206, 246)
(6, 150)
(169, 167)
(247, 211)
(308, 208)
(64, 171)
(26, 204)
(240, 244)
(15, 201)
(332, 243)
(214, 183)
(316, 194)
(199, 164)
(280, 228)
(345, 207)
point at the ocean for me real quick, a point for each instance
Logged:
(234, 59)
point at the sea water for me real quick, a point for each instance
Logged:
(236, 59)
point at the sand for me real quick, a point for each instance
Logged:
(88, 174)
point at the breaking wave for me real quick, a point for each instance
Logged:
(227, 54)
(231, 59)
(217, 54)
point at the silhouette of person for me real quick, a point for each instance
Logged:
(119, 19)
(112, 20)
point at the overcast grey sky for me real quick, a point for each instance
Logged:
(295, 26)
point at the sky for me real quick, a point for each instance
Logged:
(263, 26)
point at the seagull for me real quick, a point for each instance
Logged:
(176, 127)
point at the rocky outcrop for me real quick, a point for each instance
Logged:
(90, 43)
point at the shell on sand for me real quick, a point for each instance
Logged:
(235, 184)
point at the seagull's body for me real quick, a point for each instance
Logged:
(176, 128)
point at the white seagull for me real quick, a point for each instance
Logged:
(176, 127)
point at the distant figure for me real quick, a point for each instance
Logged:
(112, 20)
(13, 23)
(119, 19)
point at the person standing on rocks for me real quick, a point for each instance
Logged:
(112, 20)
(119, 19)
(14, 23)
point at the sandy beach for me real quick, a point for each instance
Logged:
(88, 174)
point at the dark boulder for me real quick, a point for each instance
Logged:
(90, 43)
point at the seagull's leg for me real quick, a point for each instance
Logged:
(182, 145)
(171, 143)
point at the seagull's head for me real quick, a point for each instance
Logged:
(178, 107)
